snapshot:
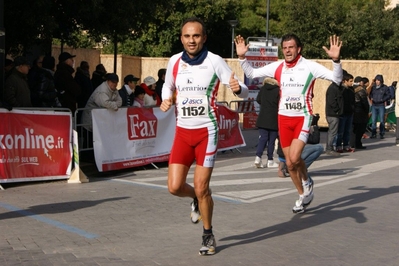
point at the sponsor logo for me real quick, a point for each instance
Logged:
(293, 98)
(191, 101)
(142, 123)
(30, 140)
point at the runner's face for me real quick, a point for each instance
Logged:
(290, 50)
(192, 38)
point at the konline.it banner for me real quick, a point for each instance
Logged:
(35, 145)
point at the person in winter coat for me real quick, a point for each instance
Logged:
(151, 98)
(106, 96)
(16, 89)
(268, 98)
(98, 76)
(379, 95)
(360, 115)
(67, 88)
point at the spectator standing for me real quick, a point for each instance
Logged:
(139, 94)
(360, 115)
(46, 92)
(82, 78)
(35, 80)
(160, 82)
(67, 88)
(346, 119)
(151, 98)
(268, 98)
(98, 76)
(379, 95)
(334, 109)
(127, 90)
(16, 89)
(8, 67)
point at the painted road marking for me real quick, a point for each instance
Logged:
(251, 196)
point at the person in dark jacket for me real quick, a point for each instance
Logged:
(360, 115)
(44, 90)
(334, 108)
(268, 98)
(16, 89)
(98, 76)
(346, 119)
(68, 89)
(127, 90)
(379, 95)
(160, 82)
(82, 77)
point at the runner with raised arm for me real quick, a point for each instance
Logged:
(296, 76)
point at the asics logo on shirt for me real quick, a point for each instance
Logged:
(191, 101)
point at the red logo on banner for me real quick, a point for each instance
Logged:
(141, 123)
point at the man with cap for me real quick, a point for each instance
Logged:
(151, 98)
(16, 89)
(127, 90)
(67, 88)
(106, 96)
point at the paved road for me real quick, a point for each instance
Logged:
(128, 217)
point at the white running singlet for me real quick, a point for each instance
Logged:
(196, 89)
(296, 83)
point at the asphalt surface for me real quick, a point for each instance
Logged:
(129, 218)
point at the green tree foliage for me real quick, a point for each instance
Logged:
(161, 37)
(144, 28)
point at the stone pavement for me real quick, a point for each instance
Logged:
(129, 218)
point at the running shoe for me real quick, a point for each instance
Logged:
(308, 192)
(258, 162)
(208, 245)
(272, 164)
(195, 213)
(299, 206)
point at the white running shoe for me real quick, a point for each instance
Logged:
(299, 207)
(272, 164)
(195, 213)
(258, 162)
(308, 192)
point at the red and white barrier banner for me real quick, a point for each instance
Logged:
(230, 135)
(132, 137)
(258, 55)
(35, 145)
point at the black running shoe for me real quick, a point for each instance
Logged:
(208, 245)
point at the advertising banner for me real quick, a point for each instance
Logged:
(35, 145)
(258, 55)
(134, 137)
(230, 135)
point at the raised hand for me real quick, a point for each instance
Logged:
(335, 47)
(234, 85)
(241, 48)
